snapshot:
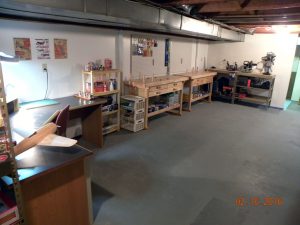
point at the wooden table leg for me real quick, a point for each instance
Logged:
(146, 113)
(210, 92)
(180, 101)
(190, 95)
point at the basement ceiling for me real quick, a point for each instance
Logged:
(259, 15)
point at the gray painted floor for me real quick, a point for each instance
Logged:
(190, 170)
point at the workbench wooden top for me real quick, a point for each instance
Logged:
(198, 74)
(239, 73)
(156, 81)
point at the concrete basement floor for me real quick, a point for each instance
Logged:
(190, 170)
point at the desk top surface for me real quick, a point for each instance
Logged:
(26, 121)
(41, 160)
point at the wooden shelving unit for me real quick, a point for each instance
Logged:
(8, 166)
(235, 95)
(103, 84)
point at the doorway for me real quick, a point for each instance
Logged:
(293, 94)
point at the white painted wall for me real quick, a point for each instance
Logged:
(182, 55)
(256, 46)
(202, 53)
(26, 78)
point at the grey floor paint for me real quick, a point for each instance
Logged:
(189, 170)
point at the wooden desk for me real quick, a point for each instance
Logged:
(197, 79)
(54, 185)
(157, 86)
(25, 122)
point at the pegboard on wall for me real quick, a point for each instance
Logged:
(148, 56)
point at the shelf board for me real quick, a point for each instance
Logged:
(255, 99)
(254, 88)
(109, 112)
(105, 93)
(200, 97)
(163, 110)
(110, 129)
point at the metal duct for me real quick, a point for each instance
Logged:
(118, 14)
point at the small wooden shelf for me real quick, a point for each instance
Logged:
(109, 112)
(92, 80)
(97, 94)
(164, 110)
(200, 97)
(110, 129)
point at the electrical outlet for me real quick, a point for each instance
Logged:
(44, 67)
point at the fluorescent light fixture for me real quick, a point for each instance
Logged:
(8, 58)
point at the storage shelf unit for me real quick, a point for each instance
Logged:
(132, 113)
(8, 167)
(103, 84)
(246, 95)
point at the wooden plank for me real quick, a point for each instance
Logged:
(255, 99)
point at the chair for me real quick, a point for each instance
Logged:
(62, 121)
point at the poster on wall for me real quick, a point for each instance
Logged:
(42, 48)
(143, 46)
(22, 48)
(60, 48)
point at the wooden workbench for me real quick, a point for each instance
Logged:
(156, 86)
(257, 99)
(197, 79)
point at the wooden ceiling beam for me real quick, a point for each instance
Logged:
(272, 4)
(263, 23)
(229, 6)
(192, 2)
(232, 6)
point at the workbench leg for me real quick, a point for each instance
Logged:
(119, 110)
(190, 96)
(146, 113)
(234, 89)
(210, 92)
(180, 102)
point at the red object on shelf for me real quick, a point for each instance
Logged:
(227, 88)
(249, 83)
(107, 64)
(242, 95)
